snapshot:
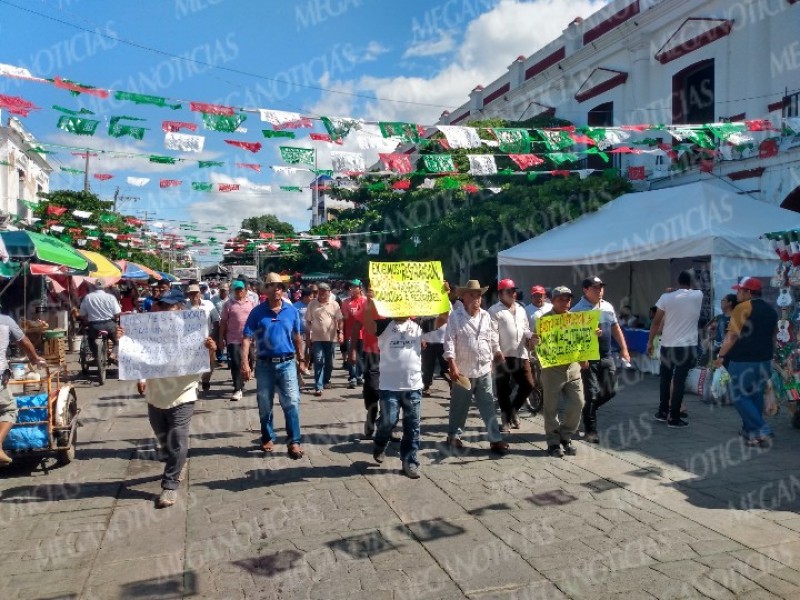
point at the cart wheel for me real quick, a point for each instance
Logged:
(84, 357)
(67, 455)
(796, 419)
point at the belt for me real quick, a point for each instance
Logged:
(102, 321)
(277, 359)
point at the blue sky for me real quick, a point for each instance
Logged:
(370, 59)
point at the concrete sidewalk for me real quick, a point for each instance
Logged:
(650, 513)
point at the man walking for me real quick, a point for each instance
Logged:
(302, 307)
(350, 306)
(600, 379)
(324, 325)
(231, 325)
(196, 300)
(748, 348)
(561, 381)
(679, 313)
(539, 305)
(400, 347)
(470, 343)
(275, 326)
(513, 332)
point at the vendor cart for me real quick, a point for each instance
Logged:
(47, 418)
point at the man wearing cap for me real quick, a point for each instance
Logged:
(539, 305)
(511, 363)
(147, 304)
(679, 313)
(600, 379)
(195, 294)
(324, 327)
(352, 305)
(231, 325)
(275, 326)
(561, 381)
(302, 307)
(748, 349)
(218, 300)
(469, 347)
(205, 293)
(170, 405)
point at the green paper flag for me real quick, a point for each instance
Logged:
(163, 160)
(67, 111)
(294, 156)
(40, 150)
(117, 129)
(725, 131)
(408, 132)
(29, 204)
(563, 157)
(328, 172)
(223, 123)
(594, 150)
(377, 187)
(513, 141)
(77, 125)
(448, 183)
(269, 133)
(219, 228)
(339, 128)
(107, 218)
(556, 140)
(610, 173)
(143, 99)
(204, 164)
(200, 186)
(694, 136)
(532, 175)
(290, 188)
(73, 171)
(439, 163)
(5, 163)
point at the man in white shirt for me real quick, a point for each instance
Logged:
(399, 383)
(679, 313)
(195, 294)
(469, 346)
(513, 333)
(539, 305)
(100, 312)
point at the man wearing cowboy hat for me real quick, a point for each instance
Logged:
(469, 347)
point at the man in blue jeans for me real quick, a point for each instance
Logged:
(748, 348)
(400, 385)
(275, 326)
(324, 328)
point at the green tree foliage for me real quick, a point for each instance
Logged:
(267, 224)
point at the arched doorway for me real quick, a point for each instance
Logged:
(792, 201)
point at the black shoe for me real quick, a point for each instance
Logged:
(684, 414)
(569, 449)
(395, 438)
(677, 423)
(591, 437)
(662, 417)
(206, 386)
(555, 451)
(379, 454)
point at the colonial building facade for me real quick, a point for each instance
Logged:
(23, 173)
(668, 62)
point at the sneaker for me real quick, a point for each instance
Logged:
(677, 424)
(505, 427)
(411, 469)
(369, 425)
(359, 381)
(167, 498)
(500, 448)
(237, 395)
(684, 414)
(591, 437)
(662, 417)
(379, 454)
(318, 393)
(555, 451)
(351, 385)
(569, 449)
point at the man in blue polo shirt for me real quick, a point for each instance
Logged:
(275, 326)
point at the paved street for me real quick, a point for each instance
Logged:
(651, 513)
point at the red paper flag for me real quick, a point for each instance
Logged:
(167, 183)
(174, 126)
(397, 162)
(254, 166)
(759, 125)
(564, 173)
(273, 247)
(251, 146)
(56, 210)
(526, 161)
(133, 221)
(76, 87)
(83, 154)
(391, 247)
(403, 184)
(16, 105)
(470, 188)
(103, 176)
(635, 127)
(324, 137)
(624, 150)
(228, 187)
(768, 148)
(302, 122)
(266, 235)
(706, 166)
(636, 173)
(213, 109)
(335, 243)
(579, 138)
(95, 244)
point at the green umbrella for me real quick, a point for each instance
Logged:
(9, 269)
(29, 245)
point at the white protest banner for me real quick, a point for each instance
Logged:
(163, 344)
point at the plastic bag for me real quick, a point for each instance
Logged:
(770, 401)
(719, 383)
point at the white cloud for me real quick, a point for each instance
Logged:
(444, 44)
(373, 51)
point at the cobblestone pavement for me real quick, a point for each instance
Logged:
(650, 513)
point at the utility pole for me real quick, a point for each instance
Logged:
(86, 173)
(121, 199)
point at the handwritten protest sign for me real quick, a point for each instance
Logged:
(567, 338)
(163, 344)
(408, 289)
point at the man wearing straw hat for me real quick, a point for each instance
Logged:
(470, 345)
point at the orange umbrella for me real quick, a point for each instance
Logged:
(132, 270)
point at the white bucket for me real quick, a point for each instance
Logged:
(18, 370)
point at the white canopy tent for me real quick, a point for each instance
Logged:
(639, 242)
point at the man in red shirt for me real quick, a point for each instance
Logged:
(370, 360)
(350, 306)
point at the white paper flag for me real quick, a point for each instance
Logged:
(370, 137)
(287, 170)
(82, 214)
(348, 162)
(461, 137)
(373, 249)
(279, 117)
(482, 164)
(12, 71)
(258, 188)
(58, 228)
(138, 181)
(81, 243)
(183, 142)
(584, 173)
